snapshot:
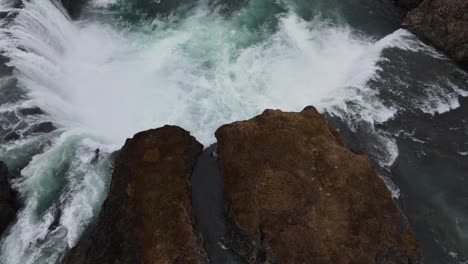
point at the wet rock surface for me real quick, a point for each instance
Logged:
(11, 136)
(45, 127)
(146, 217)
(443, 24)
(208, 208)
(7, 200)
(299, 195)
(31, 111)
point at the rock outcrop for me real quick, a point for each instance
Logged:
(443, 24)
(44, 127)
(146, 217)
(7, 201)
(31, 111)
(299, 195)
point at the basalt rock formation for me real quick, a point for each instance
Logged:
(146, 217)
(443, 24)
(7, 201)
(297, 194)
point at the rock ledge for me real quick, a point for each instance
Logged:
(299, 195)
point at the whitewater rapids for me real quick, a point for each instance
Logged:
(101, 82)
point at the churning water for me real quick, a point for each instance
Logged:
(114, 72)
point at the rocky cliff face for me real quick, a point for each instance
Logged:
(7, 201)
(444, 24)
(299, 195)
(146, 217)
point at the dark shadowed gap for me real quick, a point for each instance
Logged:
(208, 207)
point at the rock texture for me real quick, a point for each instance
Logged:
(146, 217)
(299, 195)
(7, 201)
(444, 24)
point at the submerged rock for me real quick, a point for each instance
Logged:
(443, 24)
(45, 127)
(7, 201)
(146, 217)
(5, 70)
(11, 136)
(31, 111)
(299, 195)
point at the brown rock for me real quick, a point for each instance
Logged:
(301, 196)
(146, 217)
(443, 24)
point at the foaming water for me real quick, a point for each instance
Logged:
(114, 83)
(101, 83)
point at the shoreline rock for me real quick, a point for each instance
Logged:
(146, 217)
(443, 24)
(292, 192)
(297, 194)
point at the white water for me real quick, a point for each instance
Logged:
(101, 84)
(116, 83)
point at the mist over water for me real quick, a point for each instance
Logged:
(107, 76)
